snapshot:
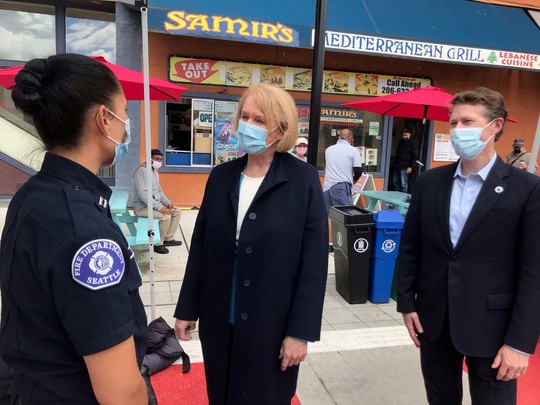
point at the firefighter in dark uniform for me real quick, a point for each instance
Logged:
(73, 325)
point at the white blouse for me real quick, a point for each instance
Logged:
(248, 188)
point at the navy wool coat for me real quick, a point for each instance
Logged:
(281, 268)
(489, 283)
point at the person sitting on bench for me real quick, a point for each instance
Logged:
(167, 214)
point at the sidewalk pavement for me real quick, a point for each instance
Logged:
(365, 355)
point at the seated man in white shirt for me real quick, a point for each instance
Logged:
(166, 213)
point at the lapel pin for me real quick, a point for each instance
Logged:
(103, 202)
(499, 189)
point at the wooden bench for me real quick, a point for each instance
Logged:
(134, 228)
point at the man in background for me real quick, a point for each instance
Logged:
(168, 215)
(519, 157)
(404, 161)
(343, 168)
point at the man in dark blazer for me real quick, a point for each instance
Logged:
(469, 273)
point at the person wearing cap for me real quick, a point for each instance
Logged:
(300, 148)
(404, 161)
(519, 157)
(165, 212)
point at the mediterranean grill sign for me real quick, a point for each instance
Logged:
(353, 42)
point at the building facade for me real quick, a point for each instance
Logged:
(217, 50)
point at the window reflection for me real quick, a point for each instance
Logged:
(91, 33)
(27, 31)
(366, 128)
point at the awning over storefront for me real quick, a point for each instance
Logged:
(533, 4)
(380, 24)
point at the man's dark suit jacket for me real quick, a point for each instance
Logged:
(490, 281)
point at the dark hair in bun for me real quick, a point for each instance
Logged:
(57, 92)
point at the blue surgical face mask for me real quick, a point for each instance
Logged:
(467, 142)
(121, 149)
(252, 138)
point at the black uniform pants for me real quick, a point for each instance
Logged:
(442, 368)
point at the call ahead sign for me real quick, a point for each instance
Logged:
(423, 50)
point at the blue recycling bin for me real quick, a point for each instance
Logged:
(388, 226)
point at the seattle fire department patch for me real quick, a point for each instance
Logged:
(98, 264)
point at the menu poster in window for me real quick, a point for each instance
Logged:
(371, 157)
(362, 150)
(226, 143)
(374, 128)
(443, 150)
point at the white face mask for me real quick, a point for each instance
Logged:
(466, 141)
(156, 164)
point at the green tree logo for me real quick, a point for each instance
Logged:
(492, 58)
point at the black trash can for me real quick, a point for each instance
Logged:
(352, 232)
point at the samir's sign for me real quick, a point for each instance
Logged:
(184, 23)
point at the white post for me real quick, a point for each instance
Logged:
(148, 139)
(534, 151)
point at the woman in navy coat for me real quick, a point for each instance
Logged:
(256, 272)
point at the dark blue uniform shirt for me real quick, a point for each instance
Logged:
(69, 284)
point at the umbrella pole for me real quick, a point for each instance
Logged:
(148, 143)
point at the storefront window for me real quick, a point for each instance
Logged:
(91, 33)
(366, 127)
(199, 133)
(27, 31)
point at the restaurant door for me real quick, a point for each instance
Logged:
(419, 140)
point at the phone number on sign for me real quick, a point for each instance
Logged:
(393, 90)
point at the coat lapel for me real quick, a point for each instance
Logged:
(490, 192)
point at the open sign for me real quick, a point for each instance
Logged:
(205, 119)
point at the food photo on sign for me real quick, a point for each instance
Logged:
(273, 75)
(336, 82)
(238, 74)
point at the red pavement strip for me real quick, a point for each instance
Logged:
(528, 385)
(528, 392)
(174, 388)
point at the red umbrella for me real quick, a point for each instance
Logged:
(132, 82)
(430, 103)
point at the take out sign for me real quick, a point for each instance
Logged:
(194, 70)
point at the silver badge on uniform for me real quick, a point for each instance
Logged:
(499, 189)
(103, 202)
(98, 264)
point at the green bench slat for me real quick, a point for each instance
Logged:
(142, 231)
(137, 229)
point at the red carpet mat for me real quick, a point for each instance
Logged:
(174, 388)
(528, 391)
(529, 385)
